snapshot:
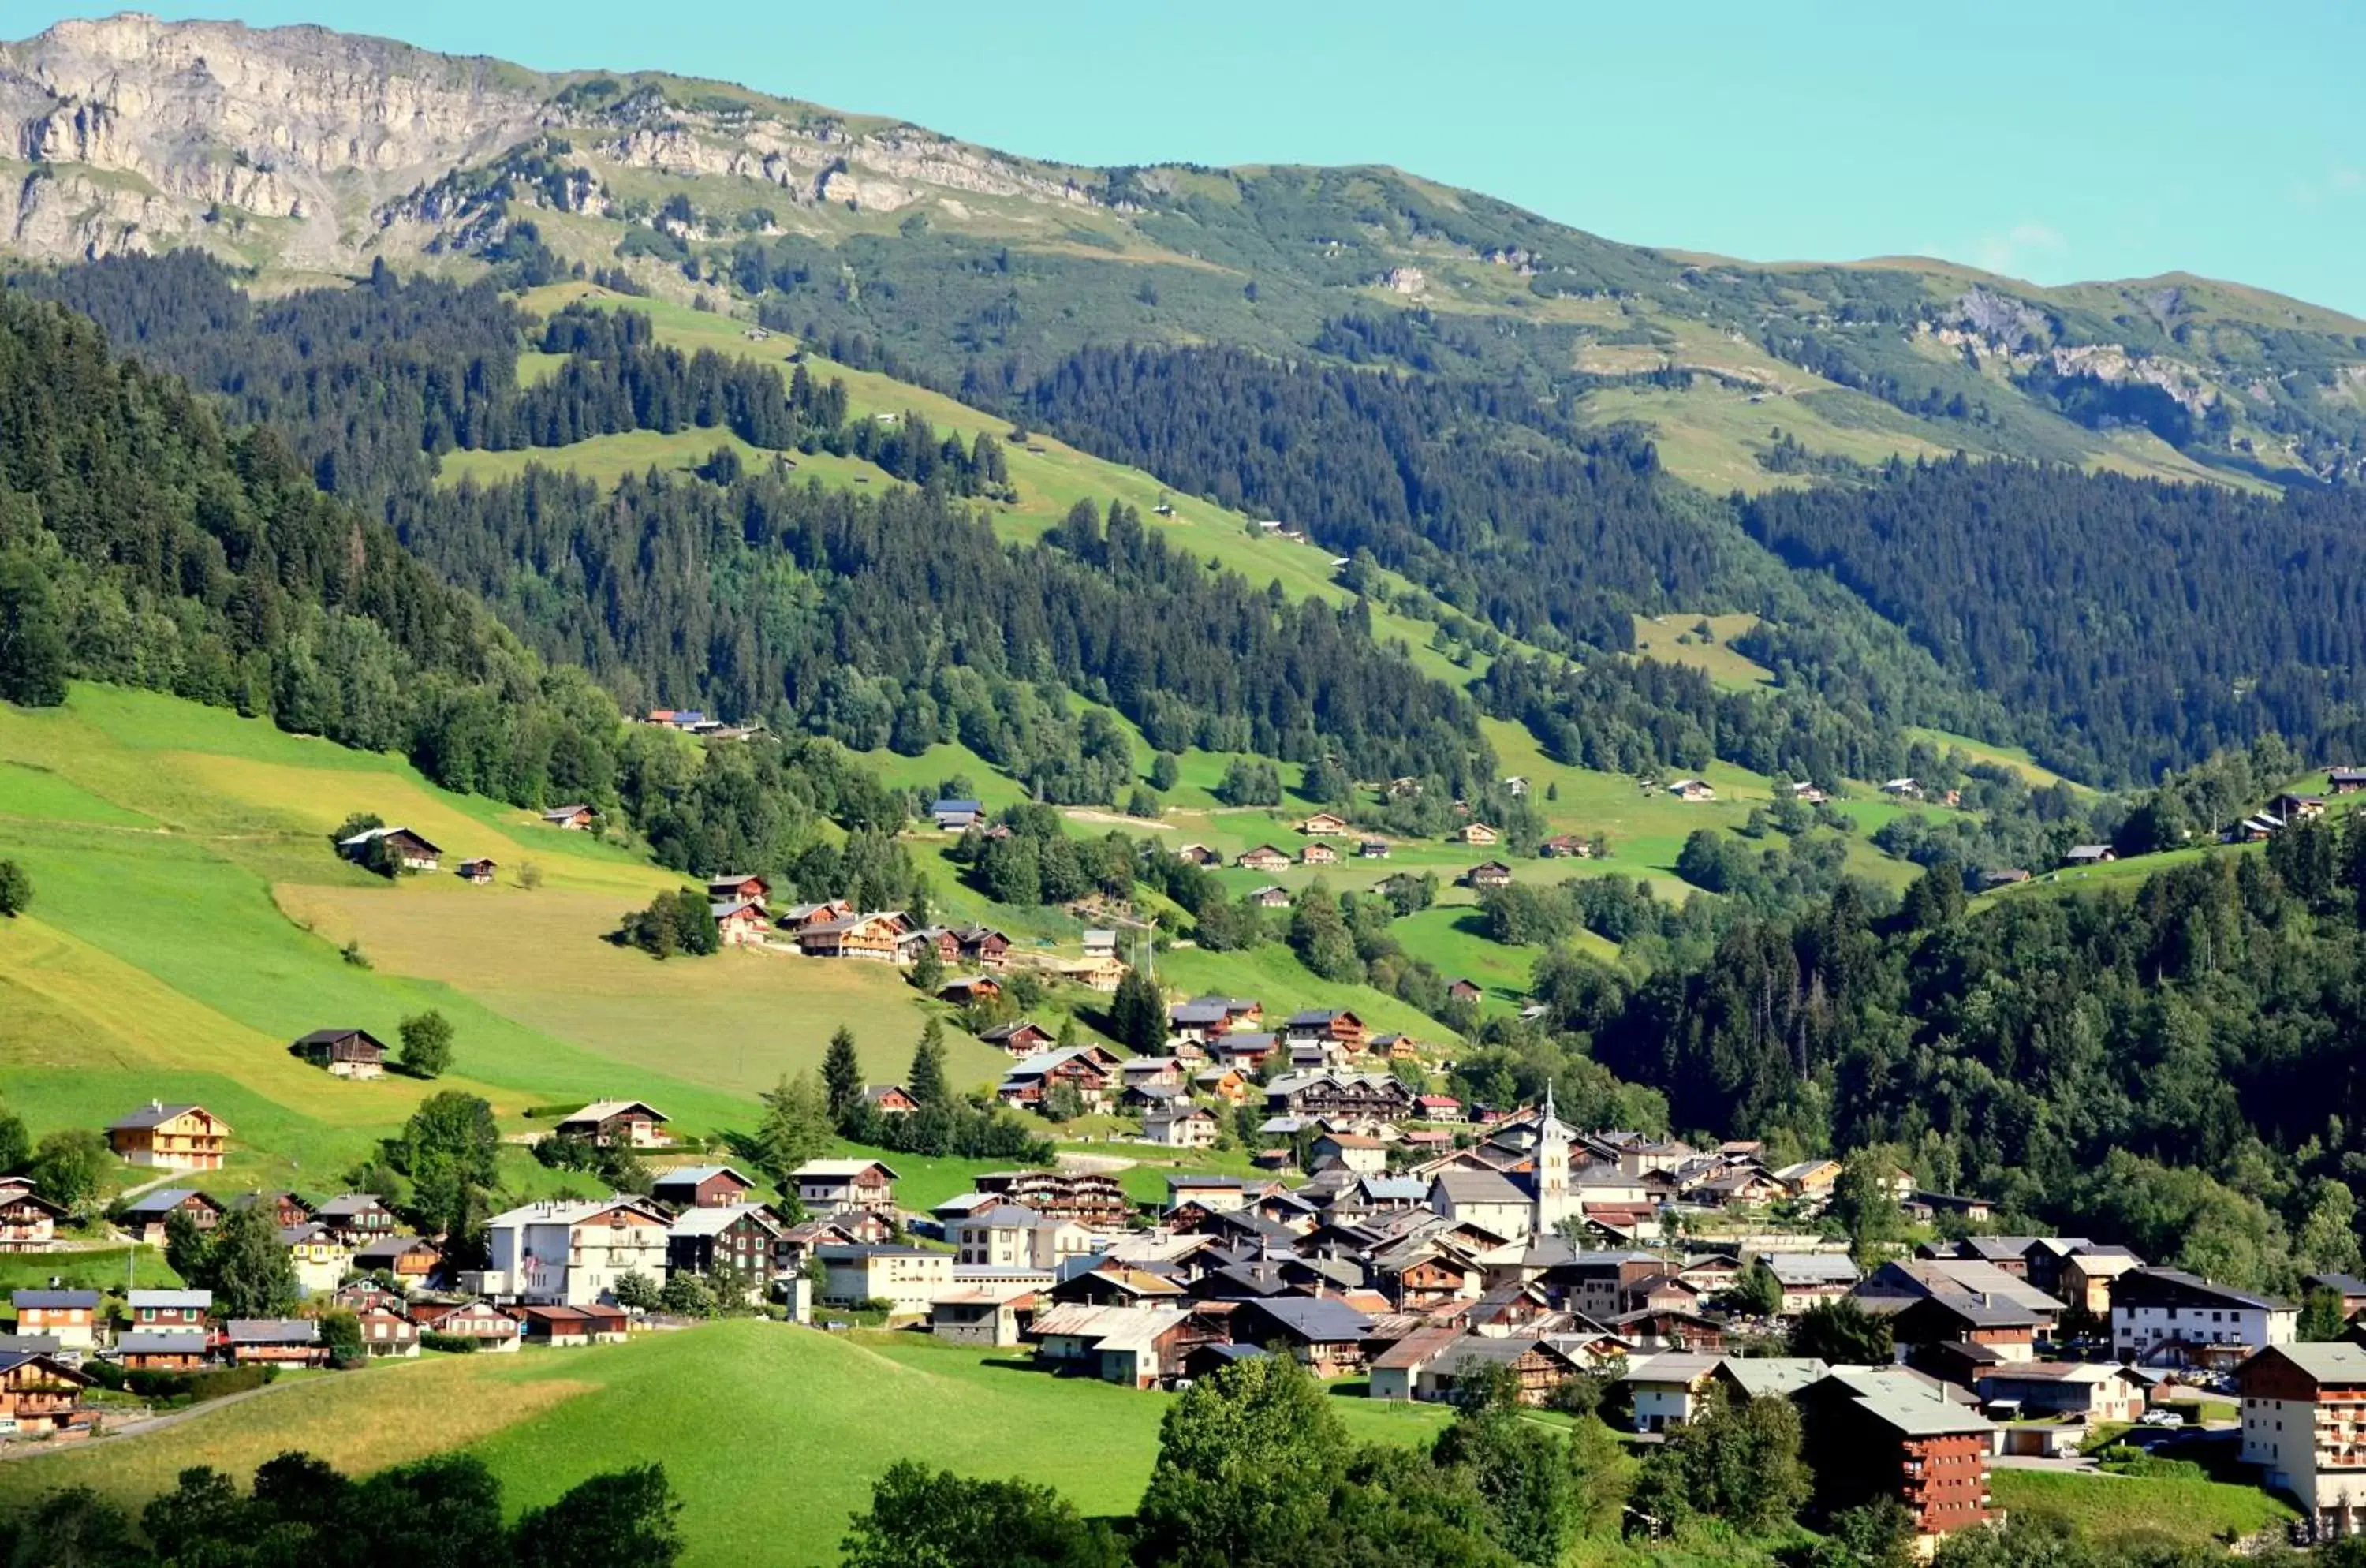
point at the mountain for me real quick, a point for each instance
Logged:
(306, 153)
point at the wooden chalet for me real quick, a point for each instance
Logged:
(1318, 853)
(492, 1328)
(357, 1217)
(1478, 833)
(1264, 857)
(1488, 874)
(880, 936)
(410, 1259)
(701, 1186)
(28, 1222)
(1323, 824)
(617, 1124)
(572, 1327)
(479, 870)
(830, 1188)
(573, 819)
(741, 922)
(737, 887)
(1199, 855)
(889, 1098)
(171, 1137)
(1022, 1038)
(138, 1351)
(274, 1341)
(39, 1392)
(1273, 896)
(408, 851)
(1372, 849)
(969, 989)
(345, 1053)
(798, 917)
(1335, 1026)
(1566, 846)
(146, 1216)
(1692, 790)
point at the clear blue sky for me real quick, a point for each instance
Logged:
(2059, 140)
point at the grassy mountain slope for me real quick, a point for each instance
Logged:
(190, 915)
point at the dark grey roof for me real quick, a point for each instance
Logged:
(1479, 1187)
(1317, 1319)
(274, 1331)
(153, 1115)
(55, 1301)
(160, 1344)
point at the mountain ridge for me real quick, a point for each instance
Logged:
(311, 153)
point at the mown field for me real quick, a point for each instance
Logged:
(771, 1435)
(2118, 1508)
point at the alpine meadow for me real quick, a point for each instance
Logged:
(730, 833)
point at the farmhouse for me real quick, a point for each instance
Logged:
(1478, 833)
(1087, 1069)
(346, 1053)
(140, 1352)
(889, 1098)
(171, 1137)
(2089, 854)
(1489, 874)
(1319, 854)
(957, 816)
(479, 870)
(1566, 846)
(492, 1328)
(1270, 896)
(1138, 1347)
(617, 1124)
(701, 1186)
(574, 818)
(1333, 1026)
(1692, 790)
(1323, 824)
(1372, 849)
(407, 849)
(1198, 855)
(1264, 857)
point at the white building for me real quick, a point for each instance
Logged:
(571, 1254)
(1012, 1236)
(2165, 1316)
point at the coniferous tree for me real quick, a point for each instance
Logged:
(926, 1083)
(841, 1074)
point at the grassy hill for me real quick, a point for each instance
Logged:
(190, 917)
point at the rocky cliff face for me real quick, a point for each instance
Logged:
(129, 133)
(314, 149)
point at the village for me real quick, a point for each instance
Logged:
(1399, 1240)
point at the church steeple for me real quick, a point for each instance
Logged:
(1553, 1203)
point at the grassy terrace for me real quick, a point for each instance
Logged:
(771, 1434)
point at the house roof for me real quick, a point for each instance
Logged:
(692, 1175)
(1461, 1187)
(823, 1169)
(1315, 1319)
(2336, 1361)
(1416, 1350)
(392, 1246)
(168, 1301)
(163, 1200)
(55, 1301)
(331, 1036)
(154, 1114)
(346, 1203)
(601, 1110)
(717, 1218)
(183, 1344)
(273, 1331)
